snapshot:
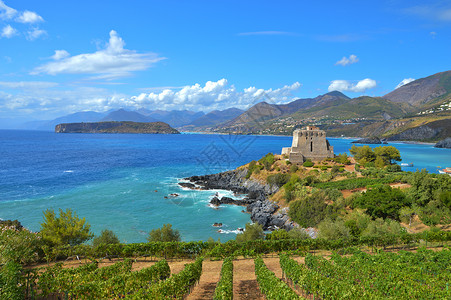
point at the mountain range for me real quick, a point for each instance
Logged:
(419, 103)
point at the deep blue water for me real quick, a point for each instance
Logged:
(119, 181)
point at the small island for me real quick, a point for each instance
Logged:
(116, 127)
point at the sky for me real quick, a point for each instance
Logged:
(62, 57)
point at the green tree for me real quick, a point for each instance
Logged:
(164, 234)
(67, 229)
(251, 232)
(363, 154)
(106, 237)
(388, 154)
(382, 202)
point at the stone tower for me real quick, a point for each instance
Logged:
(309, 143)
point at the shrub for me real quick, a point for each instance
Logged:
(308, 164)
(253, 168)
(333, 230)
(164, 234)
(298, 234)
(293, 168)
(252, 232)
(106, 237)
(308, 211)
(267, 161)
(279, 234)
(290, 186)
(19, 246)
(278, 179)
(323, 168)
(342, 158)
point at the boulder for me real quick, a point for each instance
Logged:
(446, 143)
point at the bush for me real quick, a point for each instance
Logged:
(164, 234)
(323, 168)
(308, 164)
(293, 168)
(308, 211)
(333, 230)
(19, 246)
(267, 161)
(252, 232)
(342, 158)
(279, 234)
(67, 229)
(298, 234)
(106, 237)
(278, 179)
(380, 227)
(290, 186)
(253, 168)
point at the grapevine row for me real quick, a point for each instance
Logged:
(271, 286)
(224, 288)
(175, 287)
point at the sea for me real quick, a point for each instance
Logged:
(127, 183)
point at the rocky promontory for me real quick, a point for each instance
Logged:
(371, 140)
(256, 201)
(116, 127)
(446, 143)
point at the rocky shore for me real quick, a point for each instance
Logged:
(262, 210)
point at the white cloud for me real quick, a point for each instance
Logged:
(404, 82)
(26, 17)
(112, 62)
(8, 31)
(35, 33)
(60, 54)
(347, 86)
(29, 17)
(6, 12)
(347, 61)
(214, 95)
(46, 100)
(27, 84)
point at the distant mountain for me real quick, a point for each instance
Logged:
(175, 118)
(216, 117)
(85, 116)
(125, 115)
(423, 91)
(261, 112)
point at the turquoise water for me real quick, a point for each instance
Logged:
(120, 181)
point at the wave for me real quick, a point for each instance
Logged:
(68, 171)
(230, 231)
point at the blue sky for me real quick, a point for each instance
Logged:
(67, 56)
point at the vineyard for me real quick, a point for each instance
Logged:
(424, 274)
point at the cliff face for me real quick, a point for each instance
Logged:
(115, 127)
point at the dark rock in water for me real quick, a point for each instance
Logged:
(226, 200)
(446, 143)
(217, 225)
(261, 209)
(372, 140)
